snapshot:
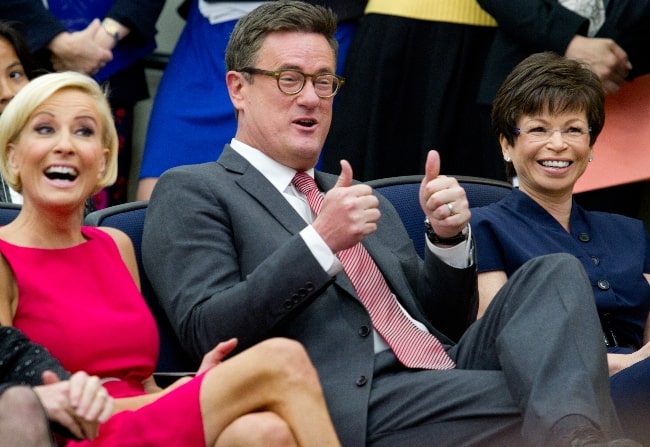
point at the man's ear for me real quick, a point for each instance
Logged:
(236, 88)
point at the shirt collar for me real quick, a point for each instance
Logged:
(278, 174)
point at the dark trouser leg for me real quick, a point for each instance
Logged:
(631, 395)
(451, 408)
(22, 419)
(542, 331)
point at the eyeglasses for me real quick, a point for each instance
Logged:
(291, 82)
(543, 134)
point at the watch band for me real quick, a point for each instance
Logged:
(434, 238)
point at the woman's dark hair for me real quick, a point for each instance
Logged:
(16, 40)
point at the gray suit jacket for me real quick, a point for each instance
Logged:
(222, 250)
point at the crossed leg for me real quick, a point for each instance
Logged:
(270, 390)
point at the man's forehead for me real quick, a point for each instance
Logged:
(292, 48)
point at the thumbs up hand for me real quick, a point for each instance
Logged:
(443, 200)
(348, 213)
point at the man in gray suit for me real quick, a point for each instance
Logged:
(235, 248)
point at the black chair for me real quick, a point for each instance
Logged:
(129, 217)
(8, 212)
(403, 193)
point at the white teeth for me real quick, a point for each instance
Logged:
(61, 170)
(555, 164)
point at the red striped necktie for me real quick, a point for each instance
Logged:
(413, 347)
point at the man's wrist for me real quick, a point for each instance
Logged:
(435, 239)
(58, 42)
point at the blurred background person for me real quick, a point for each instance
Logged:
(16, 69)
(192, 117)
(412, 76)
(17, 65)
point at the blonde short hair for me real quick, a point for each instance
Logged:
(20, 109)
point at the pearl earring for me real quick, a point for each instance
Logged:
(507, 158)
(591, 158)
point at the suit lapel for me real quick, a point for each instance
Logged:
(255, 184)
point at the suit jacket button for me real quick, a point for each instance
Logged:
(288, 304)
(361, 380)
(603, 284)
(364, 331)
(584, 237)
(309, 286)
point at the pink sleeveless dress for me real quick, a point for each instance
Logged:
(83, 305)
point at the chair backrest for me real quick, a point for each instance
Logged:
(8, 212)
(403, 193)
(129, 217)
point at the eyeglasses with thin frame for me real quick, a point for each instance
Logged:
(291, 82)
(572, 133)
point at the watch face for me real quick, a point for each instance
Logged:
(111, 29)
